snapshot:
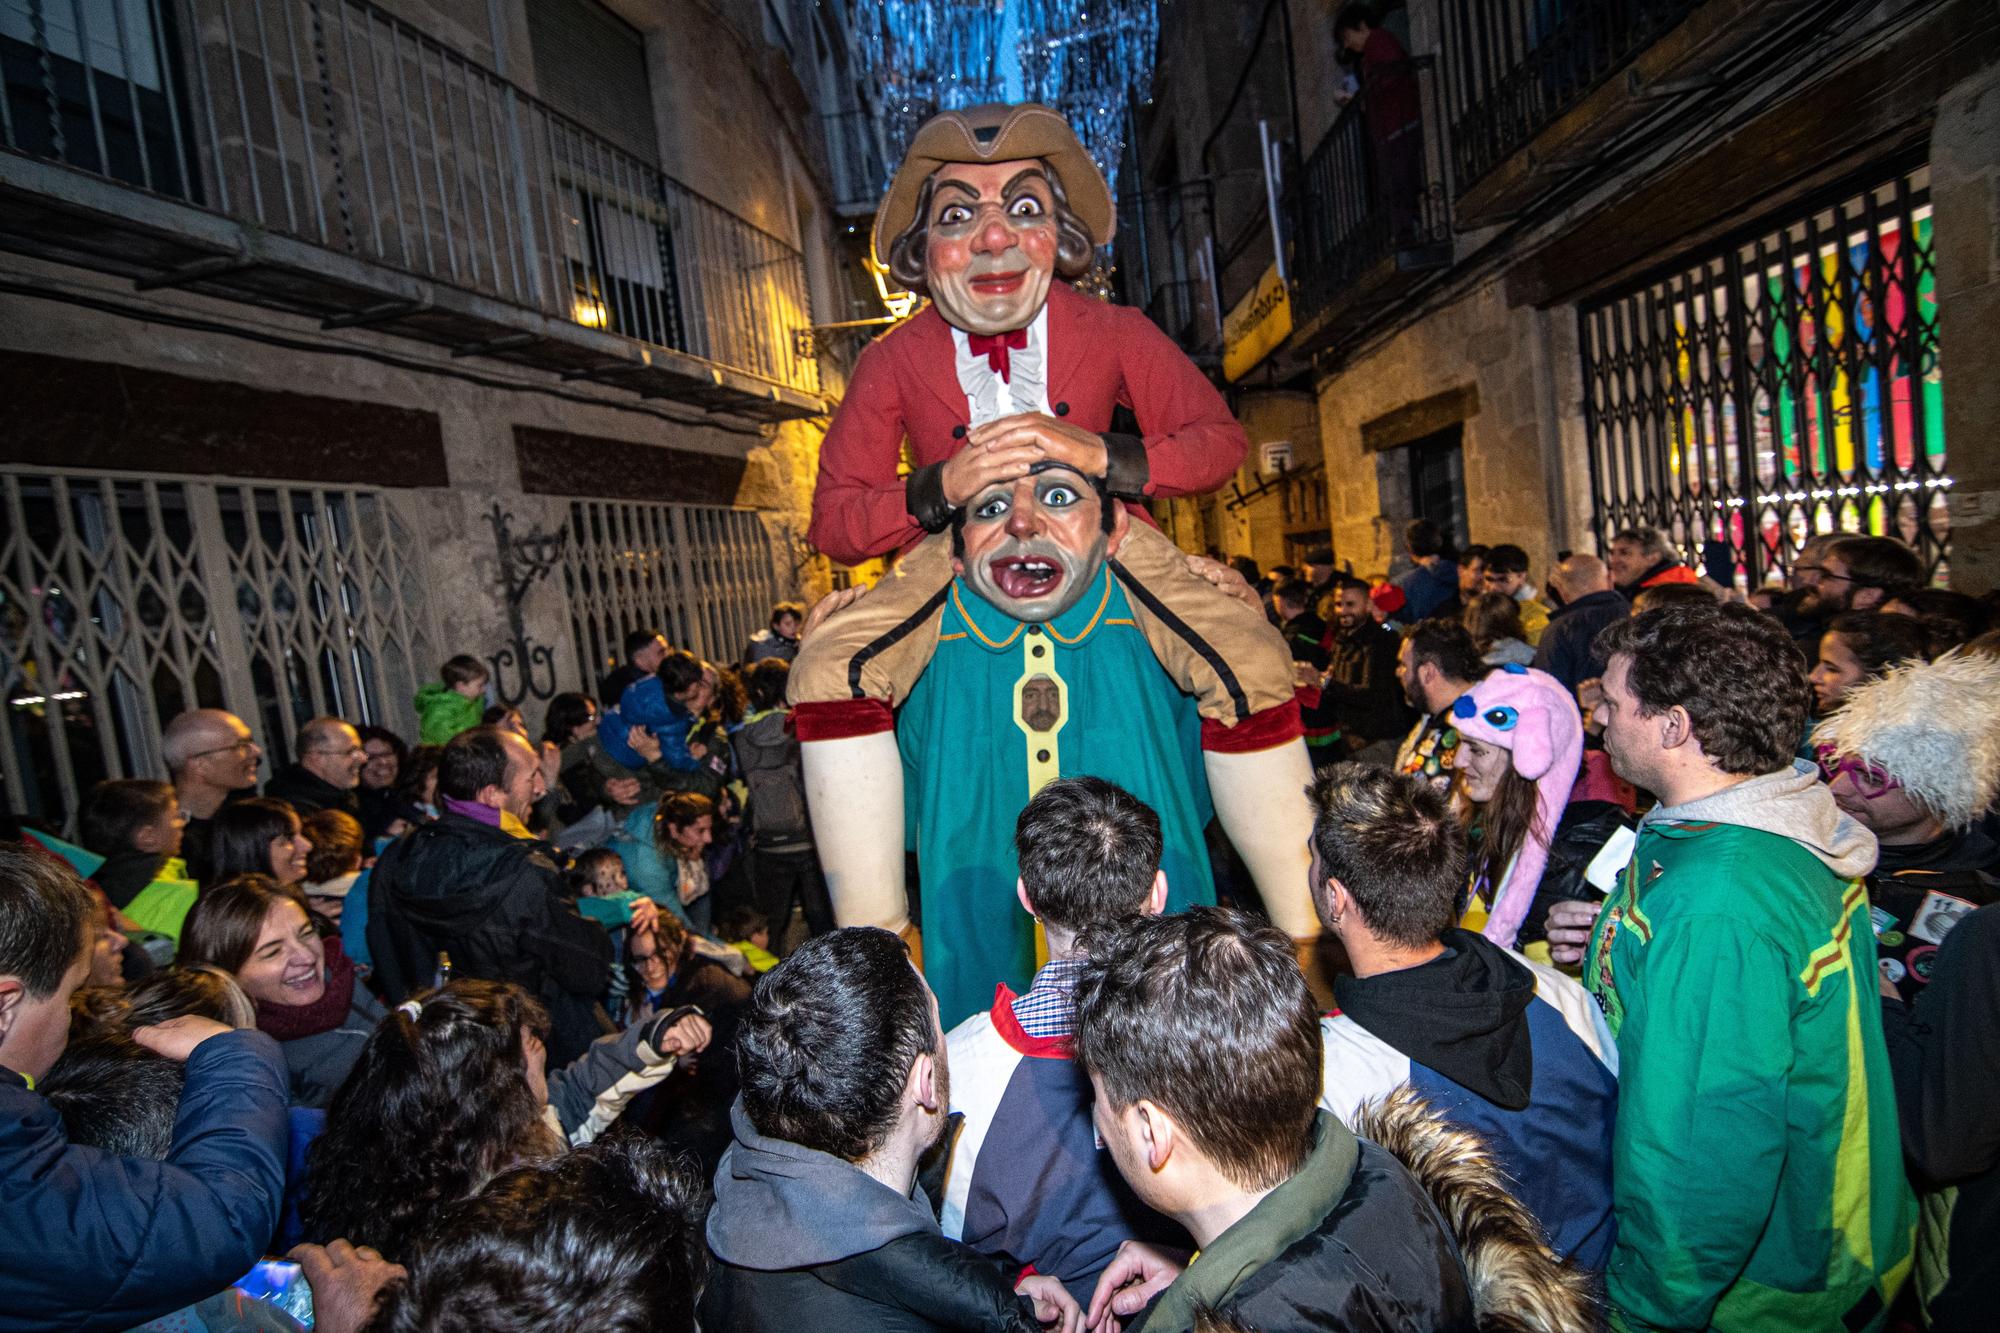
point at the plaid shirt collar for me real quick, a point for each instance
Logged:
(1047, 1009)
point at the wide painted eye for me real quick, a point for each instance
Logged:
(953, 214)
(1501, 717)
(1060, 497)
(1027, 206)
(992, 508)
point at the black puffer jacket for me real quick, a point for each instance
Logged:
(495, 904)
(1584, 829)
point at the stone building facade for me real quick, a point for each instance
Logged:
(340, 338)
(1725, 269)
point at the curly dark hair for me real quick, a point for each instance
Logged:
(606, 1238)
(1734, 669)
(1074, 251)
(433, 1109)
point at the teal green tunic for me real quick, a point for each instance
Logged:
(1003, 709)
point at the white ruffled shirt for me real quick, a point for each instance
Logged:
(987, 396)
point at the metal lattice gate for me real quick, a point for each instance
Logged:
(125, 600)
(700, 575)
(1778, 387)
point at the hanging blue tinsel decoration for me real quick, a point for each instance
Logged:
(1090, 61)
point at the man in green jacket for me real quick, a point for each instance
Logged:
(1756, 1174)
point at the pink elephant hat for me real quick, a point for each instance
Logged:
(1531, 715)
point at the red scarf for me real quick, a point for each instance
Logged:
(994, 347)
(289, 1022)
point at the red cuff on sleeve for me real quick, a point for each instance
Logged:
(839, 719)
(1260, 731)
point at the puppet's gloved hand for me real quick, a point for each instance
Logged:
(854, 789)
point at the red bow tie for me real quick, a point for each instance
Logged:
(994, 347)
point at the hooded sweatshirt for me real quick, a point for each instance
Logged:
(1511, 1050)
(804, 1232)
(1757, 1178)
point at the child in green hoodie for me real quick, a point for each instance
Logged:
(454, 703)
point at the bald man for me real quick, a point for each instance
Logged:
(327, 775)
(210, 756)
(212, 760)
(1589, 604)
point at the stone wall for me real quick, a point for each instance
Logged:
(477, 406)
(1523, 443)
(1965, 194)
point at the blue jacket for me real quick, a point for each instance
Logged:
(1515, 1052)
(1427, 590)
(645, 704)
(648, 872)
(1027, 1181)
(89, 1240)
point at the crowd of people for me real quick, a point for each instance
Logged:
(1660, 925)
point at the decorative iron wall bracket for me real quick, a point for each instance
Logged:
(523, 669)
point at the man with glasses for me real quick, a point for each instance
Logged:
(328, 772)
(1802, 587)
(1861, 574)
(212, 761)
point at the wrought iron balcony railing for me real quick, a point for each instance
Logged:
(1373, 207)
(336, 123)
(1516, 65)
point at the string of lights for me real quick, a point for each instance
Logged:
(1085, 59)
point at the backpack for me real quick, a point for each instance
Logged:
(767, 754)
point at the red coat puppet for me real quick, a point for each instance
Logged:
(1006, 371)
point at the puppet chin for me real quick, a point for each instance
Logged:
(1002, 312)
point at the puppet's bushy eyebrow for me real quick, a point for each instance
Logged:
(1025, 174)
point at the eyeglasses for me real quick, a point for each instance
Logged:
(1868, 781)
(243, 746)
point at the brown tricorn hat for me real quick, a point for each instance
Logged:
(997, 132)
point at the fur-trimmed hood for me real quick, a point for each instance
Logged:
(1518, 1285)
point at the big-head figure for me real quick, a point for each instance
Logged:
(1001, 391)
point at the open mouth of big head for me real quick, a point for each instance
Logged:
(1026, 578)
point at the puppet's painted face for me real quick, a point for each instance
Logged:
(990, 252)
(1035, 545)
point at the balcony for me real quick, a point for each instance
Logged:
(1541, 90)
(324, 158)
(1164, 261)
(1371, 215)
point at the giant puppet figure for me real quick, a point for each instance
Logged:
(1042, 628)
